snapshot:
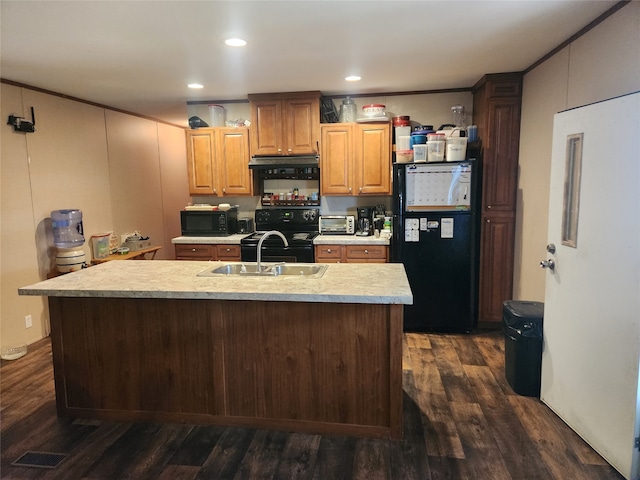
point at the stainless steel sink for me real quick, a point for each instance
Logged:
(268, 270)
(299, 269)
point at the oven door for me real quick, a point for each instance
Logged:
(248, 253)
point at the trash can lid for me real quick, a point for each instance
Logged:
(524, 309)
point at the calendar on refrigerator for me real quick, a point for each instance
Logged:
(438, 187)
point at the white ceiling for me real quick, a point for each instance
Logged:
(139, 55)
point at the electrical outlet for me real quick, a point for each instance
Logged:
(28, 323)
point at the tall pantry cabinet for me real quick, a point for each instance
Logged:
(496, 110)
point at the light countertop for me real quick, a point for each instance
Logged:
(349, 240)
(227, 240)
(319, 240)
(376, 283)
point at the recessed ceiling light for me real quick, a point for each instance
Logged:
(235, 42)
(195, 85)
(352, 78)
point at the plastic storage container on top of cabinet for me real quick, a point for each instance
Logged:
(522, 326)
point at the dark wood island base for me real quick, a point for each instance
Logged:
(327, 368)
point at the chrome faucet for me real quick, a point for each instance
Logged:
(262, 239)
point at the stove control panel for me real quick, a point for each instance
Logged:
(287, 216)
(310, 215)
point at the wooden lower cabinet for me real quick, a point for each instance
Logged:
(196, 251)
(352, 253)
(229, 253)
(496, 266)
(324, 368)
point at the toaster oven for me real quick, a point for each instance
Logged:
(338, 224)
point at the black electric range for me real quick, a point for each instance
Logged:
(299, 226)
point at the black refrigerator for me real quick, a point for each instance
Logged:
(435, 236)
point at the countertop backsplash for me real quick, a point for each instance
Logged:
(328, 206)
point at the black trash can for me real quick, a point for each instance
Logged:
(522, 326)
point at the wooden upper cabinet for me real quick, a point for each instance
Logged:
(200, 151)
(500, 157)
(336, 160)
(355, 159)
(266, 127)
(373, 158)
(285, 123)
(233, 161)
(496, 106)
(218, 161)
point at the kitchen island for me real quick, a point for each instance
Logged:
(153, 341)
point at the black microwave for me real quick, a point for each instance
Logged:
(209, 223)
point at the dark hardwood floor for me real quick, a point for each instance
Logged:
(461, 421)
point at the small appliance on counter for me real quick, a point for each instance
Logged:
(337, 224)
(245, 225)
(365, 221)
(209, 222)
(135, 243)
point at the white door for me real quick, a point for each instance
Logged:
(592, 301)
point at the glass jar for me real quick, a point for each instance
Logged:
(348, 110)
(457, 111)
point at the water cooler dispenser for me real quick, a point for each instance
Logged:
(68, 237)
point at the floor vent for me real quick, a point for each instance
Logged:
(40, 460)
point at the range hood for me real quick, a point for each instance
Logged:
(291, 161)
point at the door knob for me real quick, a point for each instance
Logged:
(551, 248)
(550, 264)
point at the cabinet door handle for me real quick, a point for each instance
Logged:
(228, 249)
(289, 150)
(360, 189)
(349, 189)
(224, 190)
(366, 251)
(215, 191)
(488, 220)
(193, 249)
(328, 250)
(279, 150)
(488, 207)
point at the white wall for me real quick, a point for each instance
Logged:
(125, 173)
(602, 64)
